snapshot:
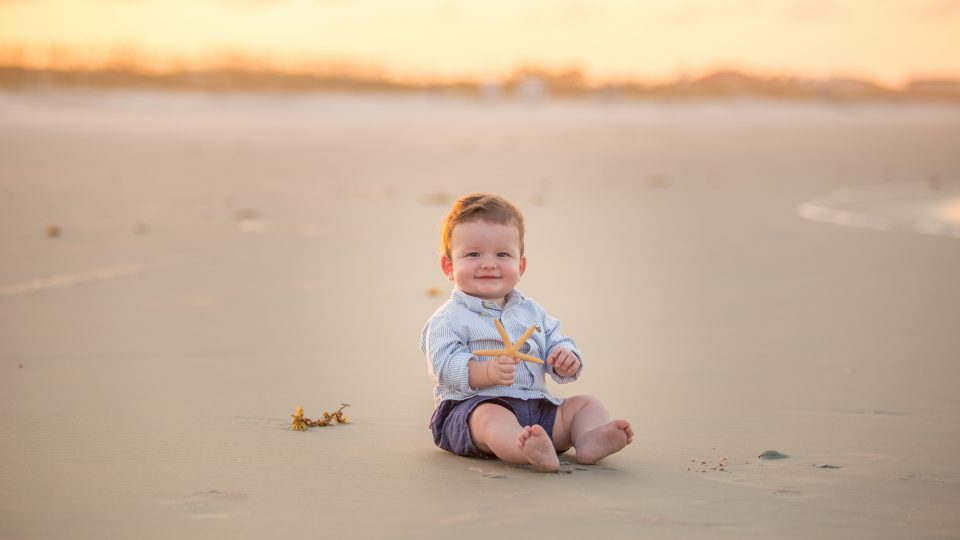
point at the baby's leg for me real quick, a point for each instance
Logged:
(495, 429)
(584, 423)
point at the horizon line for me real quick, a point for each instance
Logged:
(134, 60)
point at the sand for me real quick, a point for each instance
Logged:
(223, 259)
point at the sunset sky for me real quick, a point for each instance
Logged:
(888, 40)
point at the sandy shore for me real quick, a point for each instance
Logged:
(221, 260)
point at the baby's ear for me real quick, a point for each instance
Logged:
(523, 265)
(447, 266)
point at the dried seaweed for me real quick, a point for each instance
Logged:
(301, 423)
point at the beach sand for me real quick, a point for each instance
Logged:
(178, 272)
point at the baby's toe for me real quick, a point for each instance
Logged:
(523, 436)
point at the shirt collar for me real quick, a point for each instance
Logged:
(478, 305)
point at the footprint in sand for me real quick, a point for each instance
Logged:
(213, 504)
(487, 474)
(565, 468)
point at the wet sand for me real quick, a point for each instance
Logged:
(221, 260)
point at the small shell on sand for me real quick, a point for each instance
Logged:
(772, 454)
(246, 214)
(54, 231)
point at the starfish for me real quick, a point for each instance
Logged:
(511, 349)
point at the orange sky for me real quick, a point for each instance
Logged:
(889, 40)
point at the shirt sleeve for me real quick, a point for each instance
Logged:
(448, 355)
(555, 338)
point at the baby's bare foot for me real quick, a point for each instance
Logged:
(603, 441)
(538, 448)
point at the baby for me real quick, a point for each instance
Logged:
(501, 406)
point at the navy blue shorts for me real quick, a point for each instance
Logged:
(451, 430)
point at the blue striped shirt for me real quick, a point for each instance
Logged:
(464, 323)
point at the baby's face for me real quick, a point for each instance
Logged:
(484, 259)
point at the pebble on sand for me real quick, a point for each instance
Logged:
(437, 198)
(772, 454)
(54, 231)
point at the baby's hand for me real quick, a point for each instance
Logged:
(564, 362)
(501, 370)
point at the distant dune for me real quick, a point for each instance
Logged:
(527, 84)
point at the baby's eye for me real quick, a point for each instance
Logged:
(503, 254)
(473, 254)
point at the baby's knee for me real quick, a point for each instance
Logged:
(486, 413)
(584, 400)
